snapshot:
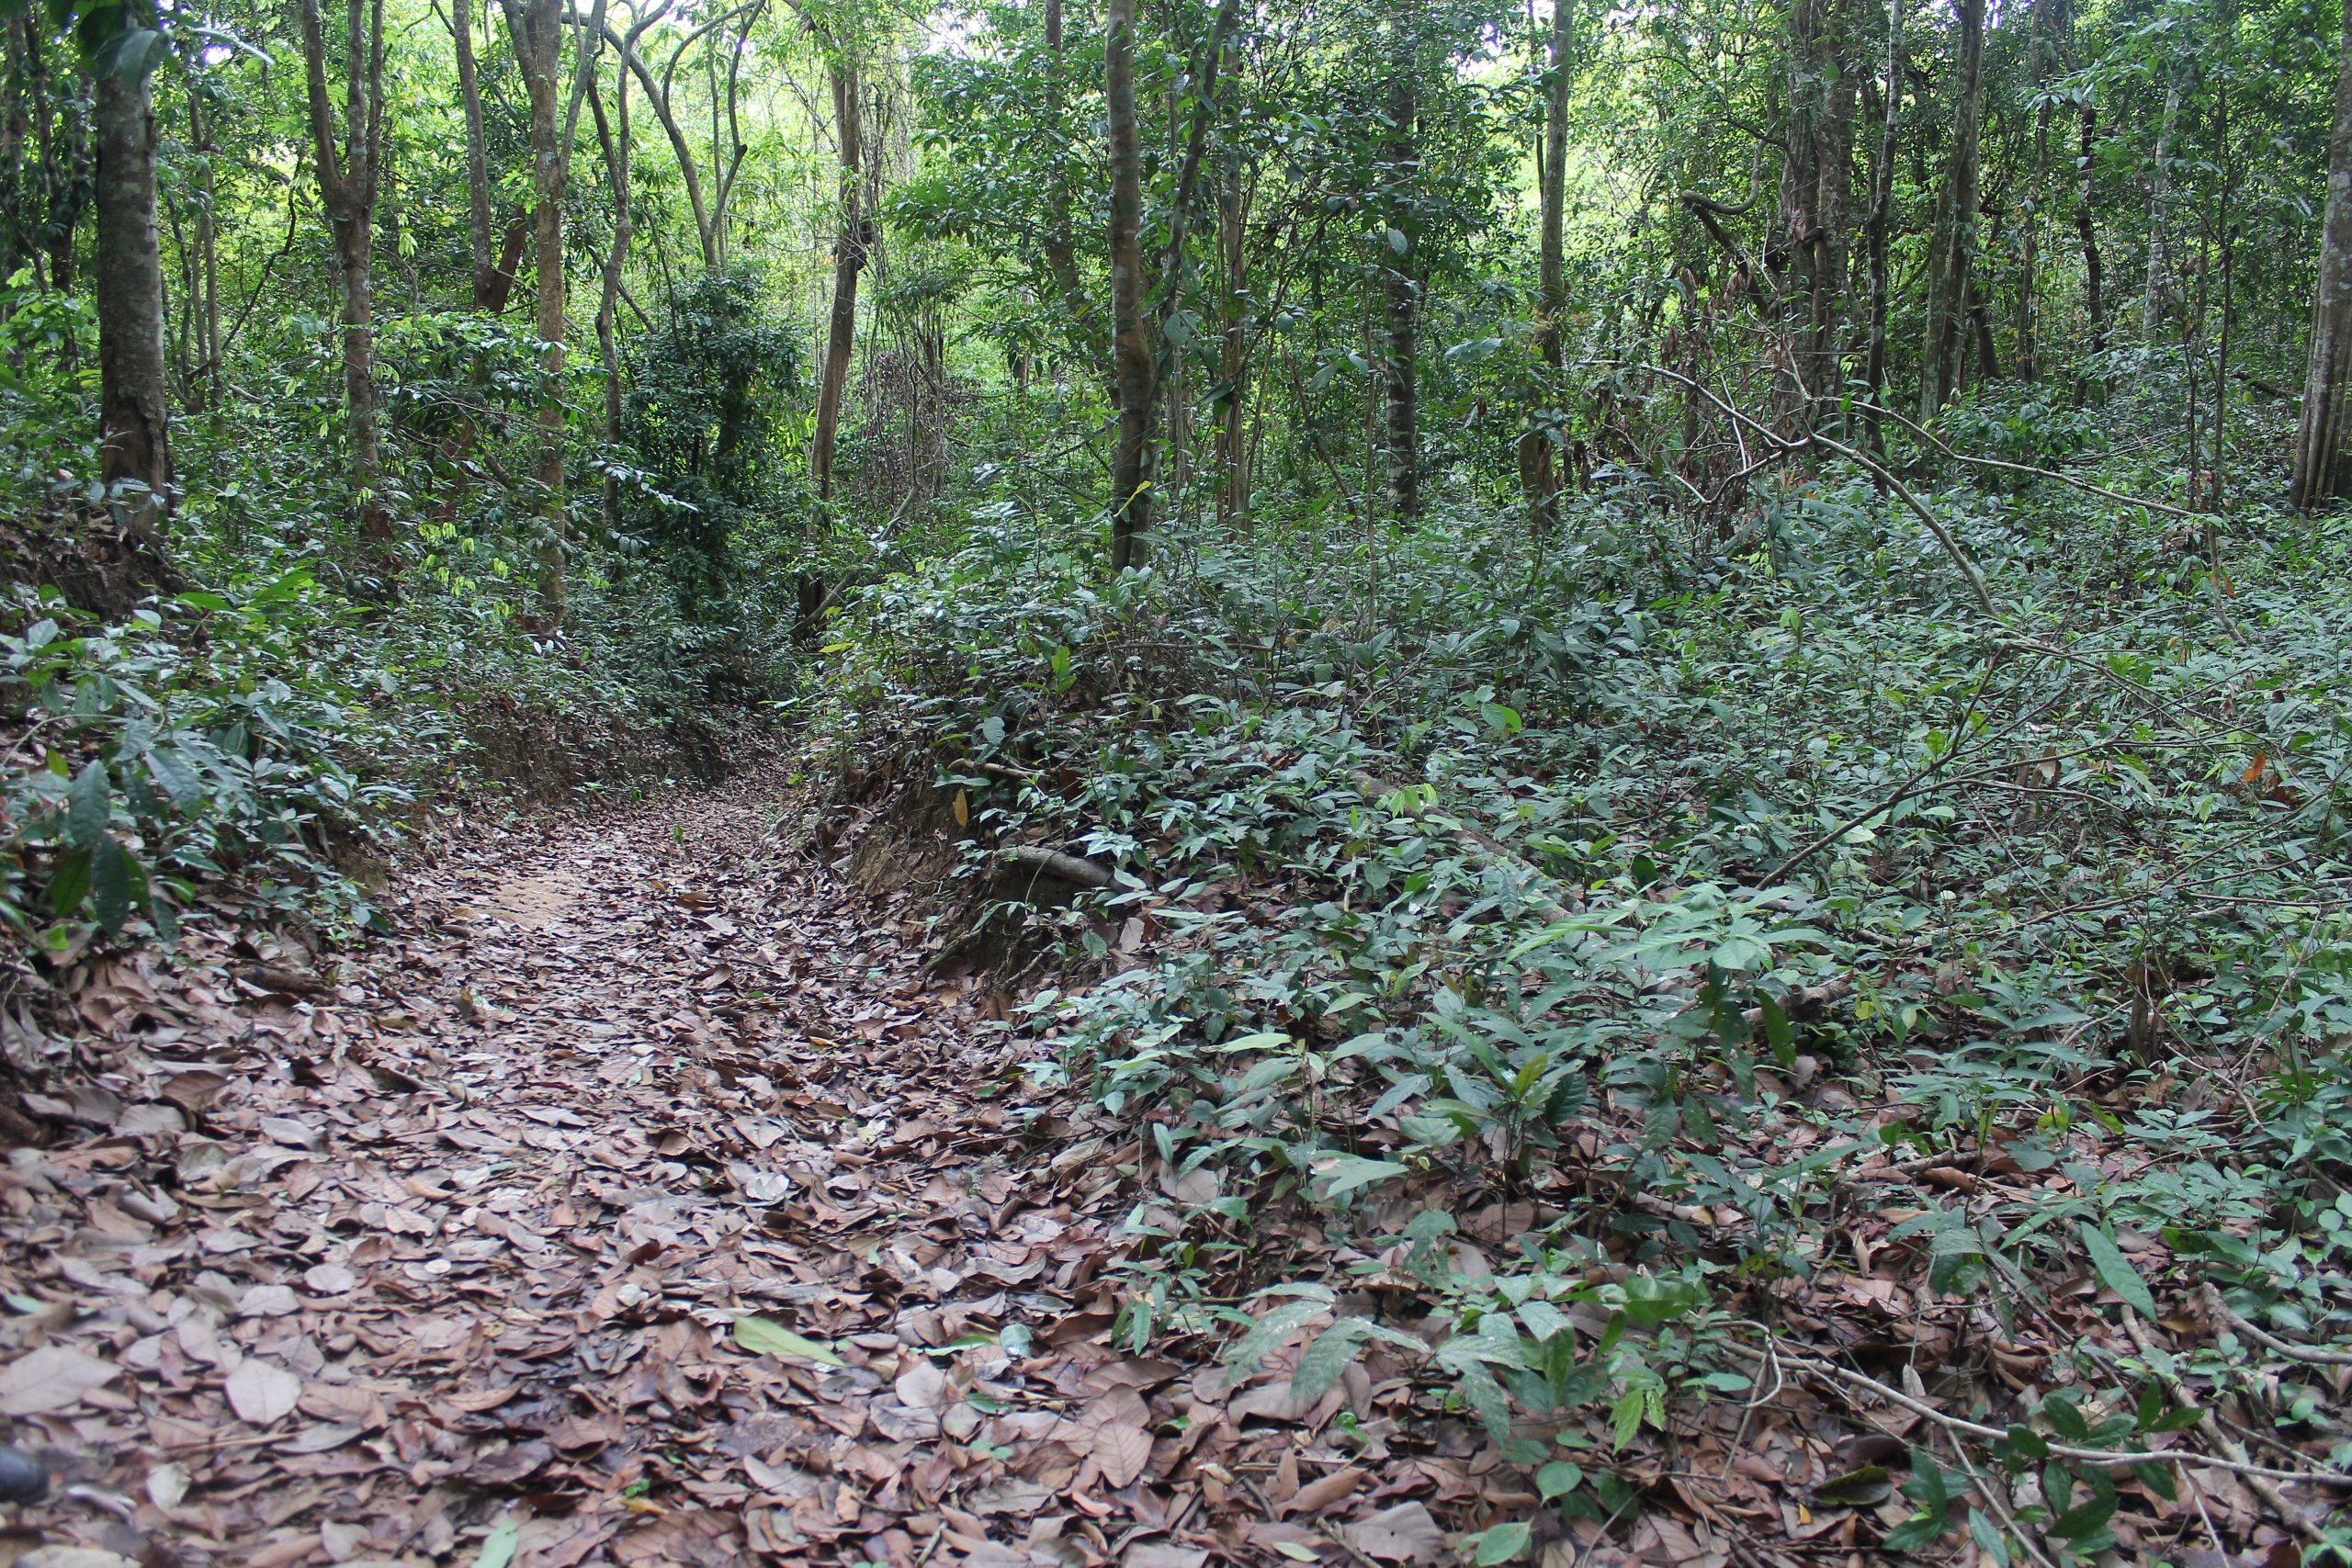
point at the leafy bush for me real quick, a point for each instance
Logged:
(211, 734)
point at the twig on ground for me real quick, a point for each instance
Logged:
(2314, 1354)
(2291, 1516)
(2064, 1451)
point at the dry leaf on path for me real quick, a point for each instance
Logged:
(261, 1394)
(51, 1378)
(1405, 1533)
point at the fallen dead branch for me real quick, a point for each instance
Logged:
(2312, 1354)
(1963, 1426)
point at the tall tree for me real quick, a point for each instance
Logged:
(851, 239)
(1954, 240)
(1134, 366)
(134, 417)
(1816, 175)
(1539, 470)
(1400, 283)
(489, 281)
(613, 137)
(2323, 470)
(537, 28)
(2151, 295)
(350, 178)
(1882, 220)
(710, 184)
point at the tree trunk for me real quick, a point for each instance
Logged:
(353, 242)
(536, 26)
(134, 421)
(67, 167)
(2322, 472)
(613, 138)
(1881, 220)
(488, 288)
(849, 259)
(1816, 202)
(1232, 452)
(348, 182)
(1538, 469)
(1134, 369)
(1399, 284)
(2152, 299)
(2087, 231)
(1060, 250)
(206, 304)
(2039, 49)
(1955, 235)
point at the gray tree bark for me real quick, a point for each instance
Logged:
(2321, 471)
(134, 417)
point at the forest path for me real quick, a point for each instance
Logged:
(445, 1262)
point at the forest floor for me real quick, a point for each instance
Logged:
(641, 1198)
(636, 1199)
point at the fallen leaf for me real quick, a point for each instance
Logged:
(261, 1393)
(1405, 1533)
(51, 1378)
(762, 1337)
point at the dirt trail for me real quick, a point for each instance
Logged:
(445, 1261)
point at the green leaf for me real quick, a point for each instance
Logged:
(1625, 1417)
(498, 1550)
(1324, 1362)
(1956, 1260)
(89, 803)
(762, 1338)
(1557, 1479)
(179, 781)
(116, 881)
(1351, 1171)
(68, 884)
(1504, 1543)
(1856, 1488)
(1267, 1334)
(1486, 1396)
(2115, 1270)
(1986, 1534)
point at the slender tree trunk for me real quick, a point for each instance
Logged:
(134, 421)
(614, 137)
(1401, 283)
(2225, 233)
(207, 302)
(348, 182)
(1135, 370)
(1539, 470)
(1816, 201)
(2151, 299)
(1233, 470)
(2087, 231)
(2028, 358)
(849, 259)
(67, 162)
(354, 238)
(1060, 250)
(537, 27)
(2322, 472)
(1955, 235)
(488, 288)
(1881, 220)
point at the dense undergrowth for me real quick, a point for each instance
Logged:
(1543, 949)
(256, 731)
